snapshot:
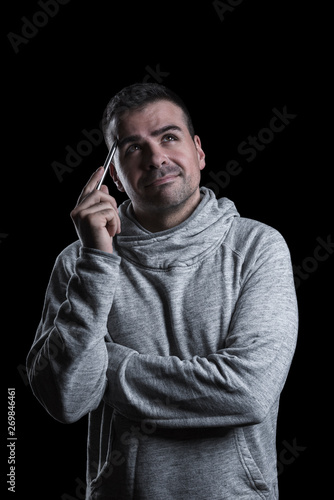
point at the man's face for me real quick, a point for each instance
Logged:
(157, 162)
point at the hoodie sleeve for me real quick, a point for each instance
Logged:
(67, 363)
(238, 384)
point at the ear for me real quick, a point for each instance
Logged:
(115, 178)
(200, 152)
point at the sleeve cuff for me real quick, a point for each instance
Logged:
(90, 252)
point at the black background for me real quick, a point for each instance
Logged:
(231, 74)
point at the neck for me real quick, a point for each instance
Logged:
(156, 220)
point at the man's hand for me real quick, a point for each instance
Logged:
(95, 216)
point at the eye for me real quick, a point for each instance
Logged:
(132, 148)
(169, 138)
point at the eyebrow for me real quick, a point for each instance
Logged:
(155, 133)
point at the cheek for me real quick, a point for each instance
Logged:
(130, 179)
(188, 160)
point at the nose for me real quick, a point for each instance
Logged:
(155, 156)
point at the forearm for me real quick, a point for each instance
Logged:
(227, 388)
(178, 393)
(67, 364)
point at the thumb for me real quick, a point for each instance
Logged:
(104, 189)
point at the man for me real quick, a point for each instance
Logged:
(172, 322)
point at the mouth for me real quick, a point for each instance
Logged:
(163, 180)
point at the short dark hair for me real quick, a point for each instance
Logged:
(137, 96)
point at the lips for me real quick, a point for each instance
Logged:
(163, 180)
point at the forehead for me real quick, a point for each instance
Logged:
(152, 117)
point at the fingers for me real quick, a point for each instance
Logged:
(106, 210)
(95, 196)
(97, 202)
(96, 215)
(91, 184)
(99, 218)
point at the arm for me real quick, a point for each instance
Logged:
(67, 363)
(236, 385)
(68, 360)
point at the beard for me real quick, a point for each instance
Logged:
(169, 197)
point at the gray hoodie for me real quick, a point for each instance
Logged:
(177, 345)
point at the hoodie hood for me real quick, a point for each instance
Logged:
(182, 245)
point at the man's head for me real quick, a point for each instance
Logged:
(158, 158)
(137, 96)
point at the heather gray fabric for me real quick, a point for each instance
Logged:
(177, 346)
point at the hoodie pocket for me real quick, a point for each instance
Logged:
(253, 473)
(180, 464)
